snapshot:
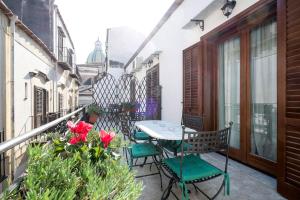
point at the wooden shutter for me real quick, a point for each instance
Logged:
(289, 98)
(38, 106)
(60, 104)
(192, 80)
(153, 93)
(45, 106)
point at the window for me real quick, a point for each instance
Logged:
(60, 43)
(41, 106)
(70, 57)
(60, 104)
(264, 90)
(229, 88)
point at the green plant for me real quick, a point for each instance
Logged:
(129, 106)
(52, 177)
(94, 109)
(82, 138)
(82, 165)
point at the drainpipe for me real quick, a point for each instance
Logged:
(53, 92)
(11, 69)
(56, 89)
(106, 51)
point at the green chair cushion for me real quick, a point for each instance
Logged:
(143, 150)
(193, 168)
(174, 145)
(140, 135)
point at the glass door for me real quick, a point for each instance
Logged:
(246, 74)
(263, 92)
(229, 88)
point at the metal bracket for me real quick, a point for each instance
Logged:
(199, 22)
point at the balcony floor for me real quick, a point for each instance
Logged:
(245, 183)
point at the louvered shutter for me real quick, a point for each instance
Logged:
(187, 65)
(289, 135)
(38, 107)
(153, 93)
(192, 80)
(60, 104)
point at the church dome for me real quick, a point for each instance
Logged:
(97, 55)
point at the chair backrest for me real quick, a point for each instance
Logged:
(125, 125)
(193, 121)
(206, 141)
(139, 116)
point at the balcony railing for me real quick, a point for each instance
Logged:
(9, 148)
(65, 58)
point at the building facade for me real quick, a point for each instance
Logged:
(44, 19)
(241, 67)
(37, 84)
(95, 64)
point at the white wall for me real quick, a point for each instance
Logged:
(172, 39)
(57, 22)
(28, 56)
(3, 26)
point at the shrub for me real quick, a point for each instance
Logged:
(81, 165)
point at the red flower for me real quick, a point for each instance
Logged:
(106, 137)
(74, 140)
(79, 130)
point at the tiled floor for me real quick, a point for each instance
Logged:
(245, 183)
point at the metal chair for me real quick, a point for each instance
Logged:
(191, 121)
(189, 168)
(138, 135)
(140, 150)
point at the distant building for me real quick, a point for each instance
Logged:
(45, 79)
(96, 56)
(95, 64)
(44, 19)
(38, 76)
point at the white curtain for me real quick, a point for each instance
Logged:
(264, 90)
(229, 88)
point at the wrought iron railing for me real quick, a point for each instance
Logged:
(65, 55)
(8, 148)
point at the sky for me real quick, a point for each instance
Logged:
(87, 20)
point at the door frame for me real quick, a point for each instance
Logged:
(240, 25)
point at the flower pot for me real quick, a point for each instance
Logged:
(93, 118)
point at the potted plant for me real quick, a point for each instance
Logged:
(93, 113)
(128, 106)
(84, 164)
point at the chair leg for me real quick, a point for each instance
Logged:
(136, 161)
(126, 156)
(166, 154)
(158, 169)
(131, 161)
(220, 189)
(195, 188)
(145, 160)
(167, 191)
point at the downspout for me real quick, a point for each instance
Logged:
(56, 89)
(53, 92)
(106, 51)
(12, 26)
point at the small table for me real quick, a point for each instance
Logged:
(162, 130)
